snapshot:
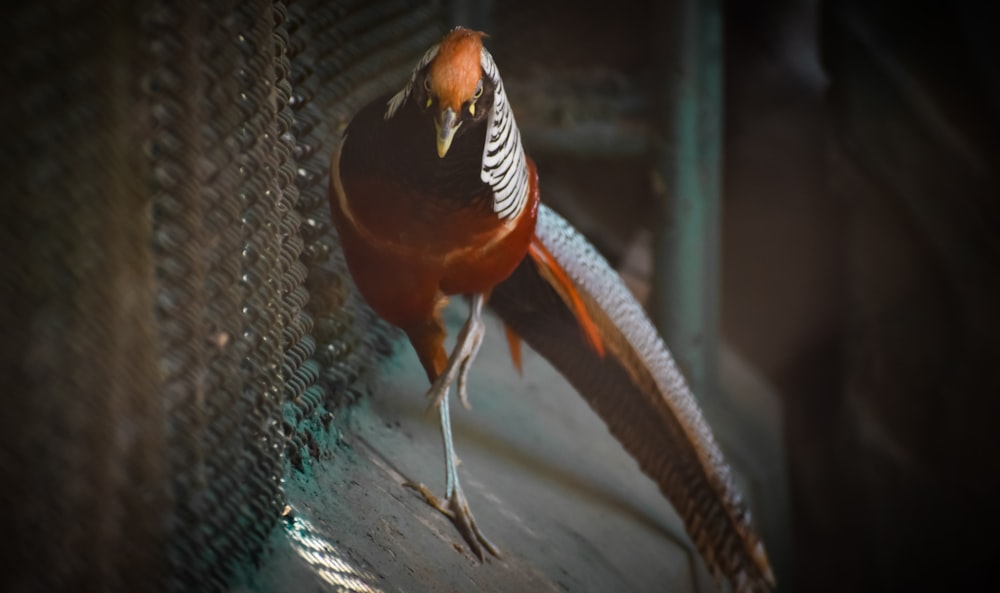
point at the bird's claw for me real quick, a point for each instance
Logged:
(456, 508)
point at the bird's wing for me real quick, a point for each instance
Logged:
(637, 389)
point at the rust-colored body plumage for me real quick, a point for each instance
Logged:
(404, 268)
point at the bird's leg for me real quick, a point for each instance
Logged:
(470, 338)
(428, 340)
(454, 505)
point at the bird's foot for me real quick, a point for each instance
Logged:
(456, 508)
(466, 347)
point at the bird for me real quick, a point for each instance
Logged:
(433, 196)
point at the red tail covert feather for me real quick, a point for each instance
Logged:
(514, 343)
(552, 271)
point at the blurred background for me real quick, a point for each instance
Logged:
(859, 241)
(802, 192)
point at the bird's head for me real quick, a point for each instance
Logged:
(451, 88)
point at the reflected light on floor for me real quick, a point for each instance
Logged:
(325, 560)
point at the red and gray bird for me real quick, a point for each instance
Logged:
(432, 196)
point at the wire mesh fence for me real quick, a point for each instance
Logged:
(178, 326)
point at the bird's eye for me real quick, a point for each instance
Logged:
(427, 87)
(479, 90)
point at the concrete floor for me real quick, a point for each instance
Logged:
(547, 483)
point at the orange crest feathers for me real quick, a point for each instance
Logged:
(456, 69)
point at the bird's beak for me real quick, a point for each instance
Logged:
(447, 124)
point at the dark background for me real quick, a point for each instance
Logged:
(860, 247)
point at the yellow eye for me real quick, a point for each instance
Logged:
(430, 96)
(475, 97)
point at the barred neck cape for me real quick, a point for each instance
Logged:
(502, 161)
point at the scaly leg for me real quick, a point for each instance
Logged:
(454, 505)
(466, 347)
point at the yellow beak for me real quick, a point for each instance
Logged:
(446, 124)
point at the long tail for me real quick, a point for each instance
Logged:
(637, 389)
